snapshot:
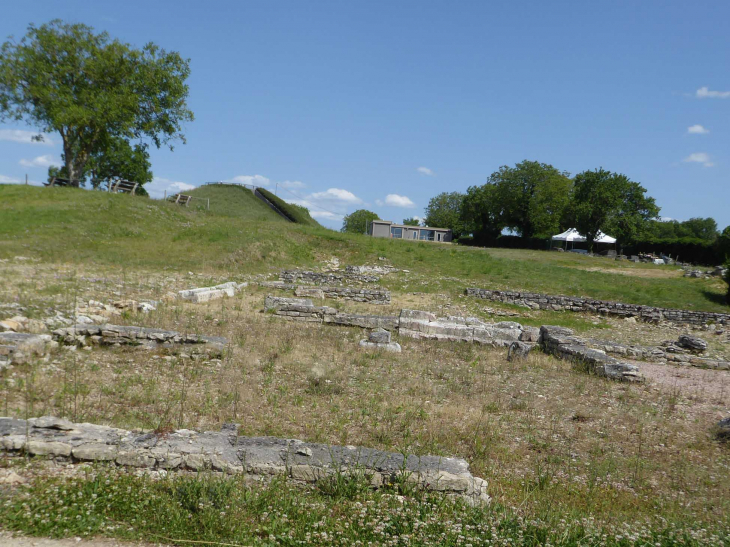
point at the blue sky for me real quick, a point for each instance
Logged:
(385, 104)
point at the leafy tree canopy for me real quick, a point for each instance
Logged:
(411, 221)
(480, 213)
(117, 159)
(357, 222)
(704, 229)
(609, 202)
(92, 89)
(444, 211)
(531, 197)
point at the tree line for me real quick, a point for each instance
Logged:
(537, 200)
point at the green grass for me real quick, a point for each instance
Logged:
(233, 201)
(208, 509)
(297, 214)
(73, 225)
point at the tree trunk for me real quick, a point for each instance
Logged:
(69, 161)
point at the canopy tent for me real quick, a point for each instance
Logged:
(572, 235)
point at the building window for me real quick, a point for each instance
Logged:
(396, 232)
(428, 235)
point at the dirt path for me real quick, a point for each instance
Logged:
(702, 384)
(8, 540)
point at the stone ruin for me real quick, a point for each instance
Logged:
(109, 335)
(204, 294)
(369, 270)
(562, 343)
(717, 271)
(686, 350)
(303, 310)
(226, 452)
(380, 339)
(369, 295)
(327, 278)
(21, 347)
(557, 341)
(572, 303)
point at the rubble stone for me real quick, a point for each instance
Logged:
(692, 343)
(561, 342)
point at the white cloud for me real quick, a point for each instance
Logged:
(40, 161)
(379, 202)
(705, 93)
(394, 200)
(19, 135)
(8, 180)
(336, 195)
(161, 186)
(426, 171)
(697, 129)
(699, 157)
(328, 206)
(180, 186)
(254, 180)
(292, 184)
(325, 215)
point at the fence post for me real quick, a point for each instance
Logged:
(208, 204)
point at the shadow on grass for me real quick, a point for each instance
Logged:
(717, 298)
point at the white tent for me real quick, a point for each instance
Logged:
(572, 235)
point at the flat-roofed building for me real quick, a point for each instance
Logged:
(385, 228)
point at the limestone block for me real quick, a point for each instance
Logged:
(48, 448)
(132, 458)
(309, 292)
(519, 351)
(95, 452)
(380, 336)
(393, 347)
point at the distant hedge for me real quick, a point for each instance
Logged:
(507, 242)
(686, 249)
(297, 214)
(696, 251)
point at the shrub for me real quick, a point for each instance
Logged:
(727, 280)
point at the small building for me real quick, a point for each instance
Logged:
(385, 228)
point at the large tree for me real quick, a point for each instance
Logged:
(700, 228)
(411, 221)
(480, 213)
(115, 159)
(357, 222)
(444, 211)
(532, 197)
(609, 202)
(91, 89)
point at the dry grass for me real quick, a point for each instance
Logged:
(548, 438)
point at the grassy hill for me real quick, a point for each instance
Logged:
(232, 201)
(241, 234)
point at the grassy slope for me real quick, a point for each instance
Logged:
(298, 214)
(233, 201)
(68, 225)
